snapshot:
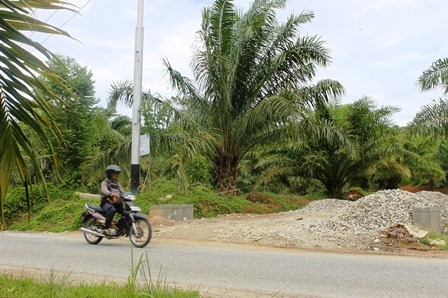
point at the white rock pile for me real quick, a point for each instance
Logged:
(324, 206)
(379, 211)
(376, 212)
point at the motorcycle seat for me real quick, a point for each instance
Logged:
(97, 208)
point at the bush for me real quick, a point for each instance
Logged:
(16, 203)
(59, 217)
(199, 171)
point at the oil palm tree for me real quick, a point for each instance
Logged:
(252, 80)
(335, 162)
(422, 155)
(428, 132)
(21, 103)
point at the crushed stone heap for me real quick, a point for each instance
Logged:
(379, 211)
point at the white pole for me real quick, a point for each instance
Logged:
(138, 61)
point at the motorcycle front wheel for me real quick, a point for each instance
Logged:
(142, 236)
(93, 225)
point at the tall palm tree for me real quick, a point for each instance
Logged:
(435, 76)
(251, 80)
(21, 103)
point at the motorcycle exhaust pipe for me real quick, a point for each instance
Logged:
(92, 232)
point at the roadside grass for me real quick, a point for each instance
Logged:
(436, 240)
(139, 283)
(11, 287)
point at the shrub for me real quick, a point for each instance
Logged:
(16, 203)
(199, 171)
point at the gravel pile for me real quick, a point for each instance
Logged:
(377, 212)
(436, 199)
(357, 224)
(324, 206)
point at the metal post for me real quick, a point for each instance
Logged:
(138, 61)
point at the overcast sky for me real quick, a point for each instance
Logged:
(379, 48)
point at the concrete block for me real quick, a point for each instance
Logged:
(177, 212)
(427, 218)
(88, 195)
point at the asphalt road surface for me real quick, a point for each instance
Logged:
(228, 271)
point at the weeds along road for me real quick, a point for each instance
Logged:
(226, 270)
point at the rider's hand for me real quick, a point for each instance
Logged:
(113, 197)
(116, 197)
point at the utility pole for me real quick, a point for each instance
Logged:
(138, 61)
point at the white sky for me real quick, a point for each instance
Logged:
(379, 48)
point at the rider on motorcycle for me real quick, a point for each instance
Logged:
(111, 191)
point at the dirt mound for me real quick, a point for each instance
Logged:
(415, 189)
(400, 232)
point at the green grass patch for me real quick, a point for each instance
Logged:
(11, 287)
(59, 216)
(436, 240)
(59, 285)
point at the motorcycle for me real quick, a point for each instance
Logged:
(132, 224)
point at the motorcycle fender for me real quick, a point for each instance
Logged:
(138, 215)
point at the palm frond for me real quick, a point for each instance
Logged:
(432, 119)
(118, 154)
(20, 97)
(120, 92)
(322, 92)
(435, 76)
(181, 83)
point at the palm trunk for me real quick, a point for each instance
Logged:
(334, 188)
(226, 173)
(432, 185)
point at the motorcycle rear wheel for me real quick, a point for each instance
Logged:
(93, 225)
(143, 235)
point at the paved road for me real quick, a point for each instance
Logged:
(226, 269)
